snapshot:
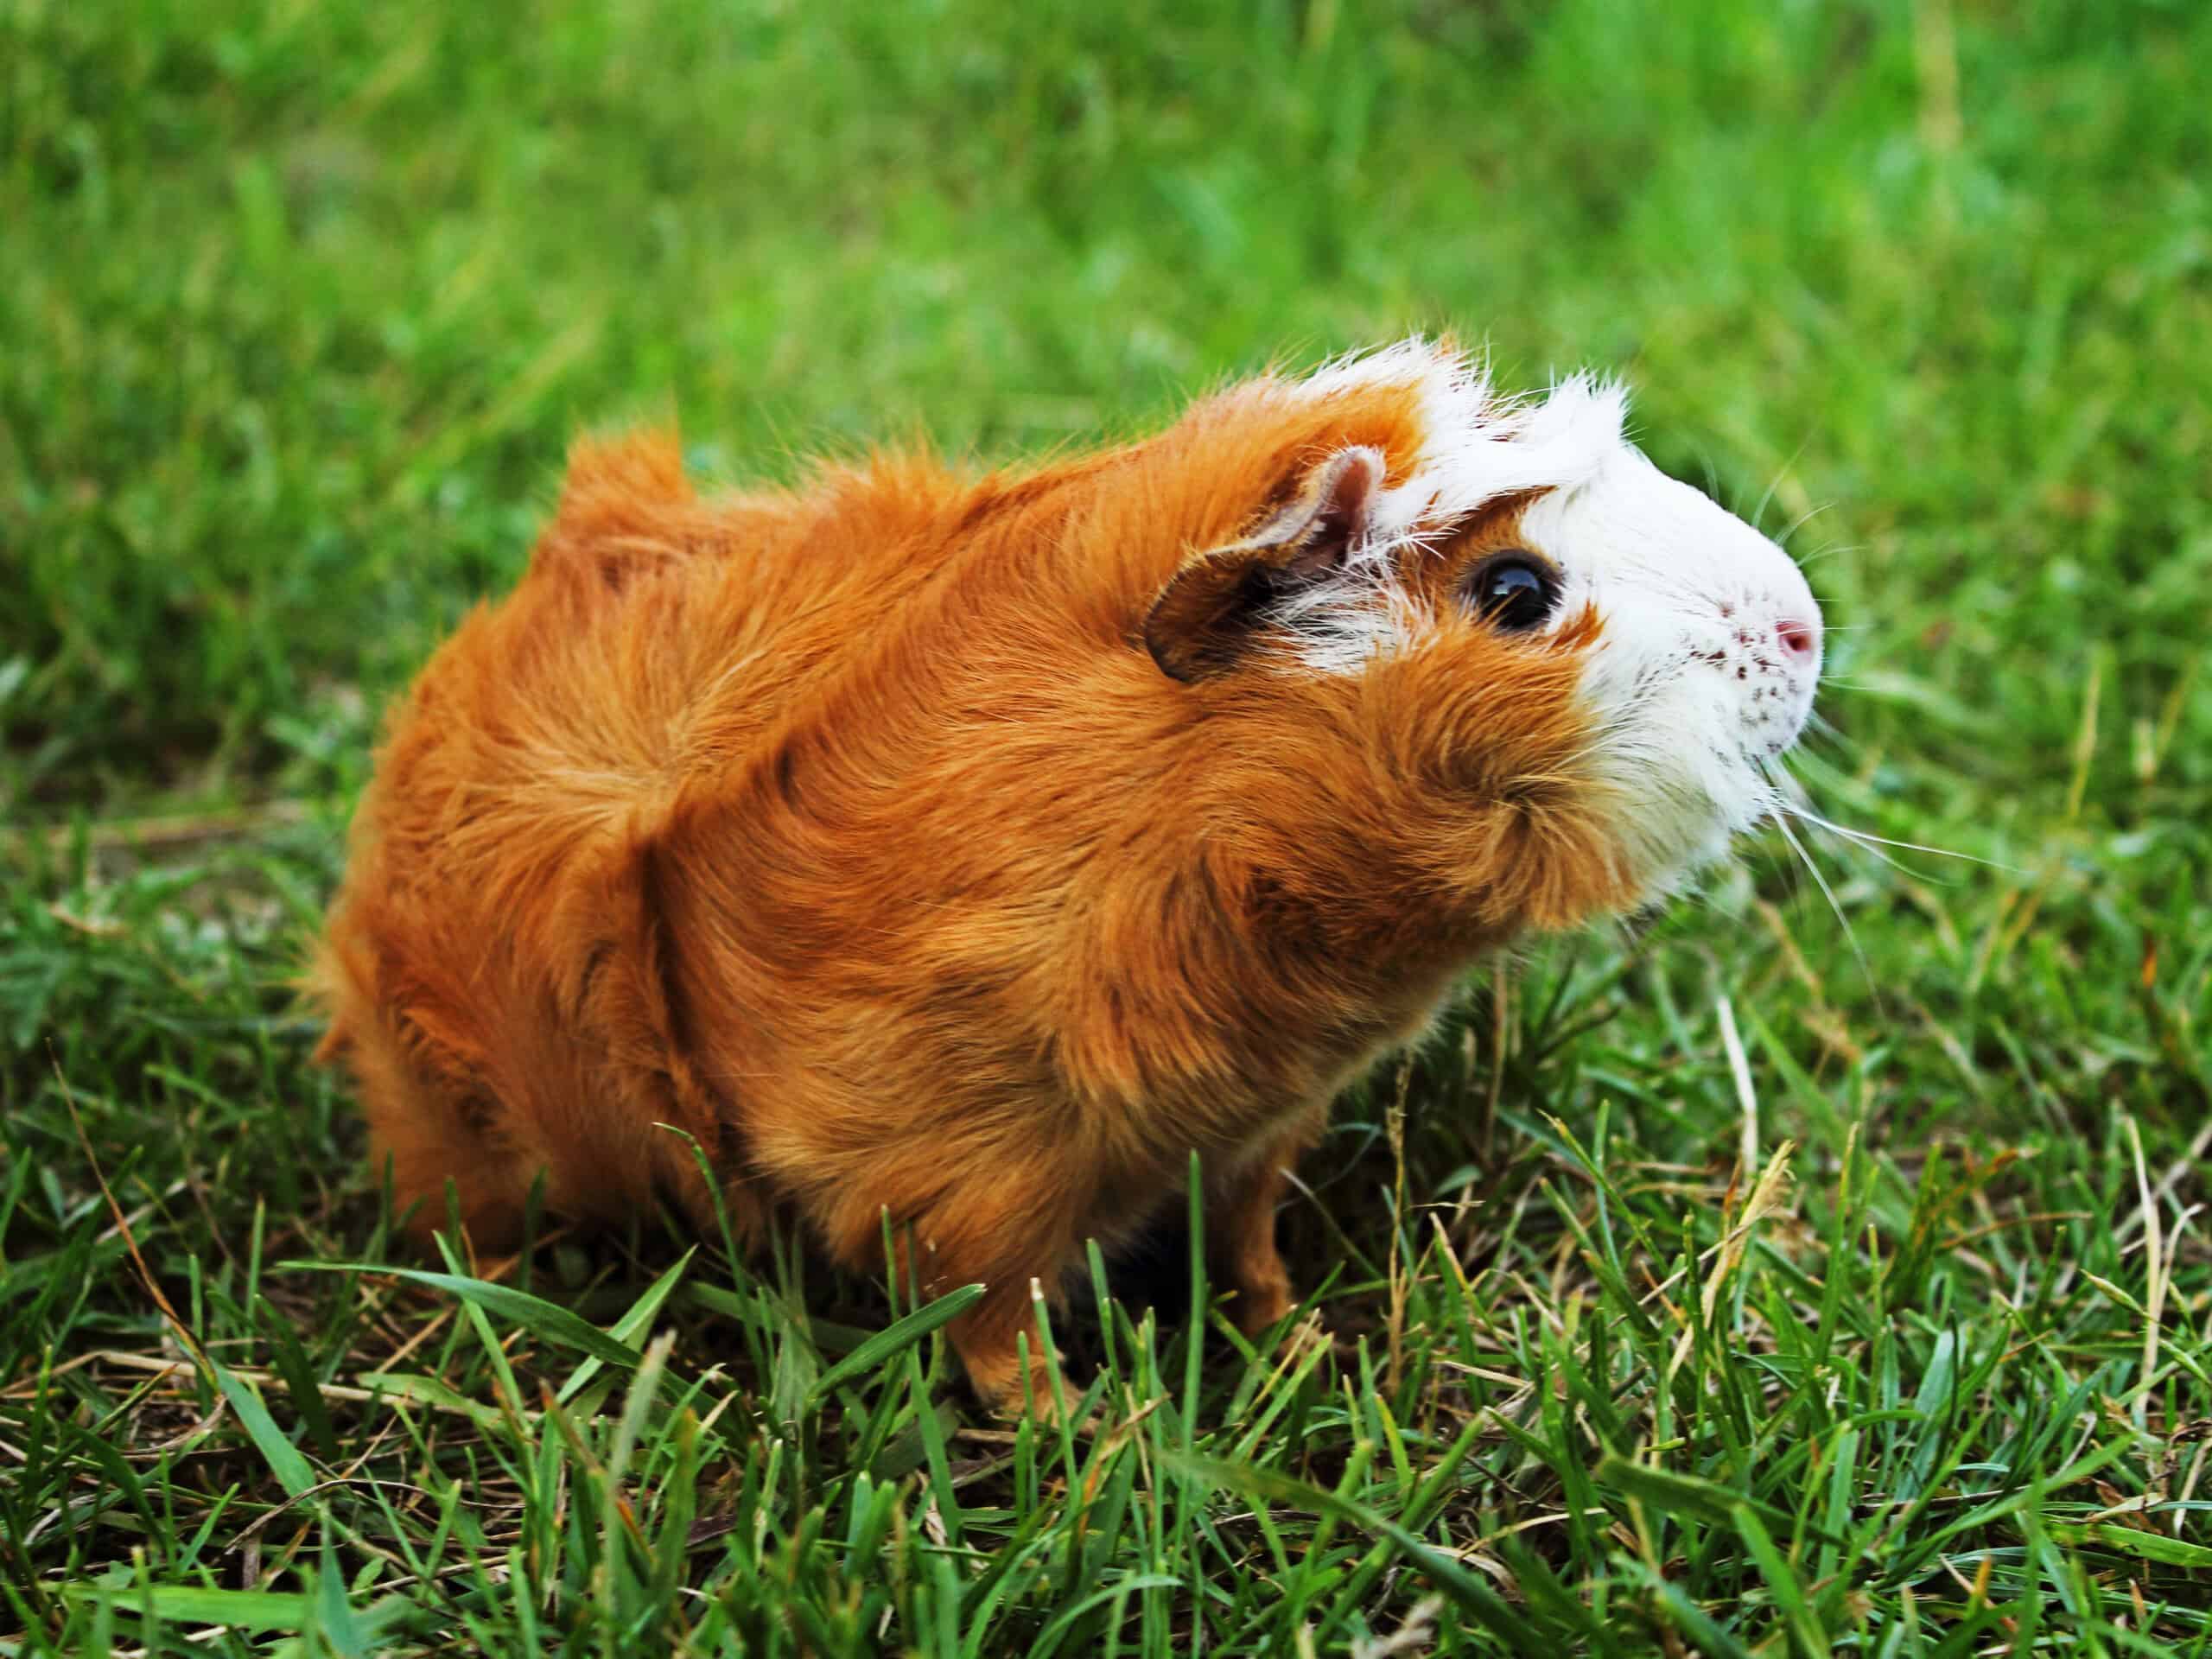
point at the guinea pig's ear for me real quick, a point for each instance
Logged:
(1205, 618)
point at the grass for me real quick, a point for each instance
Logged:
(1706, 1288)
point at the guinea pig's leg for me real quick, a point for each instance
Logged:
(1244, 1247)
(989, 1339)
(1241, 1228)
(1006, 1224)
(1014, 1233)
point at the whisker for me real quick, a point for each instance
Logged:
(1866, 839)
(1759, 511)
(1711, 477)
(1782, 823)
(1836, 682)
(1818, 554)
(1867, 846)
(1803, 518)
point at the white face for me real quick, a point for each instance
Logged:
(1706, 668)
(1710, 650)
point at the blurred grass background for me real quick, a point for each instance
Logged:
(301, 302)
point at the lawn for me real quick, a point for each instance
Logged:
(1789, 1273)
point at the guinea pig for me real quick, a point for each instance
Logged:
(970, 851)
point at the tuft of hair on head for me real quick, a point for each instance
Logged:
(612, 502)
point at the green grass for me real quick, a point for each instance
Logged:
(299, 304)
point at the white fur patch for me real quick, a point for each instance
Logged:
(1691, 684)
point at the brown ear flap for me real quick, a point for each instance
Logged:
(1206, 616)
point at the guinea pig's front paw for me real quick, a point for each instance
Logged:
(1010, 1391)
(1262, 1305)
(1047, 1401)
(1263, 1311)
(1292, 1347)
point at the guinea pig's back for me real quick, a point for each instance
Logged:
(486, 965)
(655, 637)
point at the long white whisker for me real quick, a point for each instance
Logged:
(1898, 865)
(1775, 484)
(1782, 823)
(1801, 520)
(1871, 840)
(1830, 551)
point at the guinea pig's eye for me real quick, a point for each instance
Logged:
(1513, 591)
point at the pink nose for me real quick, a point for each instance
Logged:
(1798, 639)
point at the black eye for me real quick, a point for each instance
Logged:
(1513, 592)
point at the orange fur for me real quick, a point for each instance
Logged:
(854, 832)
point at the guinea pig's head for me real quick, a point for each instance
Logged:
(1561, 677)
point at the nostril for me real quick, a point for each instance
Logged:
(1798, 639)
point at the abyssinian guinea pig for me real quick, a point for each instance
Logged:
(972, 849)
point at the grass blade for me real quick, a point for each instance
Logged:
(291, 1468)
(1469, 1594)
(547, 1320)
(894, 1340)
